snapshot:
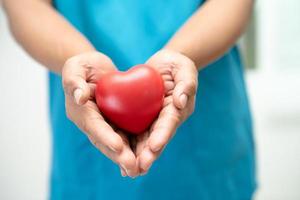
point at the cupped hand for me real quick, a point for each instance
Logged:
(80, 74)
(180, 77)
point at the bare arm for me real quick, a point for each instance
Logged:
(204, 37)
(44, 33)
(52, 41)
(212, 30)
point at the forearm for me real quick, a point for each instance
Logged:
(43, 33)
(212, 30)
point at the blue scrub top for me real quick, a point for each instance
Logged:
(212, 154)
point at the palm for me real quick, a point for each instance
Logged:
(168, 108)
(177, 72)
(80, 73)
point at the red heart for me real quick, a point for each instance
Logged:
(131, 100)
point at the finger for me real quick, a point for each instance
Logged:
(128, 160)
(146, 159)
(125, 159)
(92, 87)
(169, 86)
(185, 86)
(167, 76)
(182, 92)
(179, 96)
(123, 173)
(102, 133)
(74, 82)
(165, 127)
(112, 155)
(141, 142)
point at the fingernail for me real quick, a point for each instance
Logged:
(113, 149)
(123, 173)
(183, 100)
(124, 168)
(133, 177)
(144, 173)
(77, 95)
(128, 172)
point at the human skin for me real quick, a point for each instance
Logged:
(205, 36)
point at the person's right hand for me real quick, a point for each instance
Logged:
(80, 74)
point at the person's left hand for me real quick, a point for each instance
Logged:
(180, 77)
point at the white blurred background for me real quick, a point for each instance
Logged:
(274, 89)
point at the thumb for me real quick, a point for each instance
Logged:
(185, 87)
(81, 93)
(74, 83)
(180, 97)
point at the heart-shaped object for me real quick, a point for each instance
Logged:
(131, 100)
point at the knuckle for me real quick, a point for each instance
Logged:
(160, 142)
(146, 160)
(173, 116)
(68, 82)
(115, 143)
(150, 159)
(176, 118)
